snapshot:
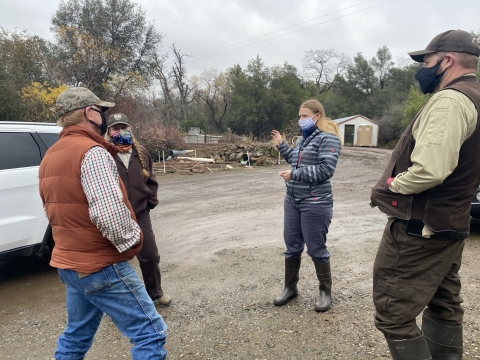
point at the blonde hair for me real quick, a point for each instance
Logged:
(136, 146)
(324, 123)
(71, 118)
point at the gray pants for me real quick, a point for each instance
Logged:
(306, 224)
(411, 273)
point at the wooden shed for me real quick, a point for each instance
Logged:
(358, 130)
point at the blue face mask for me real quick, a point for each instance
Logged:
(306, 124)
(428, 77)
(123, 137)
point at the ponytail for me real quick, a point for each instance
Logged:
(141, 157)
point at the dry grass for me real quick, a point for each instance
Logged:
(157, 138)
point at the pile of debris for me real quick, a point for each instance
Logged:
(214, 157)
(257, 154)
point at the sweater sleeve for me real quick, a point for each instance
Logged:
(327, 157)
(285, 151)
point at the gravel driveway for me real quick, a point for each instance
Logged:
(220, 238)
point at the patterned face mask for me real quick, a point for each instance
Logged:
(306, 124)
(123, 137)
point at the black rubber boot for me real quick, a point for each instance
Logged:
(445, 342)
(324, 301)
(409, 349)
(292, 268)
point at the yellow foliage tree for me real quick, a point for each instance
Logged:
(40, 98)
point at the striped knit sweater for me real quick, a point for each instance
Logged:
(313, 162)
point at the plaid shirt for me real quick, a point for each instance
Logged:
(108, 212)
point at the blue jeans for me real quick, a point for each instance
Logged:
(306, 224)
(117, 291)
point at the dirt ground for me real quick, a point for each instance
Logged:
(220, 238)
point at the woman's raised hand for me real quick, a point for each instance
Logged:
(277, 138)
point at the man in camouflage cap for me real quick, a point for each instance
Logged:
(95, 233)
(426, 191)
(81, 98)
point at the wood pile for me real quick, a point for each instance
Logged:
(182, 168)
(188, 167)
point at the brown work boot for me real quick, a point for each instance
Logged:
(324, 301)
(292, 268)
(165, 300)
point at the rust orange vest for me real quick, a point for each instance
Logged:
(79, 245)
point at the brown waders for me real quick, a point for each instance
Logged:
(412, 275)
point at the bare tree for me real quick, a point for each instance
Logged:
(214, 90)
(323, 66)
(182, 85)
(176, 89)
(167, 84)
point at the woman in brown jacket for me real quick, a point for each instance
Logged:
(134, 165)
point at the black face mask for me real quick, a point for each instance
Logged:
(428, 77)
(103, 125)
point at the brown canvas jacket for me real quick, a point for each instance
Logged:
(142, 193)
(445, 208)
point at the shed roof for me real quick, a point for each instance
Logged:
(348, 118)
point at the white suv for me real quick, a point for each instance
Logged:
(24, 229)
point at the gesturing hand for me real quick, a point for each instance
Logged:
(276, 137)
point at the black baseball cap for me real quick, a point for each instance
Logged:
(451, 40)
(117, 119)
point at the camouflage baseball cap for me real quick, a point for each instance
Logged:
(77, 98)
(451, 40)
(117, 119)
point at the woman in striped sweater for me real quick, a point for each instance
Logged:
(309, 201)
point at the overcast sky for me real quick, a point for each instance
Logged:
(201, 26)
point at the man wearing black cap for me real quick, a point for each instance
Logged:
(426, 190)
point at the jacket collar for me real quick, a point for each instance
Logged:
(467, 78)
(75, 130)
(306, 141)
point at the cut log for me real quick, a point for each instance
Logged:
(196, 159)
